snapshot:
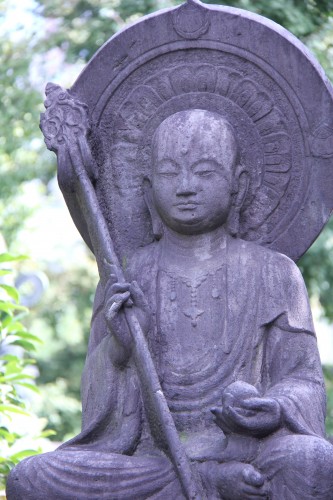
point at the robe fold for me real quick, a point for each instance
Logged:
(256, 327)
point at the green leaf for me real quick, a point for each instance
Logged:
(23, 314)
(48, 433)
(8, 307)
(13, 409)
(20, 376)
(7, 257)
(4, 470)
(14, 326)
(17, 457)
(11, 291)
(29, 336)
(7, 321)
(30, 361)
(10, 437)
(9, 357)
(28, 346)
(3, 272)
(13, 367)
(15, 401)
(32, 387)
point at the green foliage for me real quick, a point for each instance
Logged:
(328, 373)
(321, 44)
(60, 406)
(84, 25)
(317, 269)
(63, 318)
(16, 348)
(22, 153)
(301, 17)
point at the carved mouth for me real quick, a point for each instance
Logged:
(187, 205)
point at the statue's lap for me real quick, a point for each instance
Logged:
(91, 474)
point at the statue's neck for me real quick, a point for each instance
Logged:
(193, 250)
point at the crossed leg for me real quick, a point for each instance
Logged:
(297, 467)
(79, 474)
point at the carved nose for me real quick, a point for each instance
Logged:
(185, 187)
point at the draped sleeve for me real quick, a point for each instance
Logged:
(292, 368)
(284, 300)
(111, 401)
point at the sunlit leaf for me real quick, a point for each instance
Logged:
(23, 454)
(3, 272)
(12, 409)
(29, 346)
(8, 357)
(9, 308)
(10, 437)
(29, 336)
(14, 326)
(11, 291)
(48, 433)
(7, 257)
(14, 378)
(32, 387)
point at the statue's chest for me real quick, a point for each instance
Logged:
(191, 321)
(191, 317)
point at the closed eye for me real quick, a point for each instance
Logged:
(167, 173)
(205, 168)
(204, 173)
(167, 168)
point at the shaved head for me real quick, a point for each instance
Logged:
(182, 130)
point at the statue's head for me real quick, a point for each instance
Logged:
(195, 180)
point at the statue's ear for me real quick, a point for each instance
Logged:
(241, 186)
(155, 218)
(240, 189)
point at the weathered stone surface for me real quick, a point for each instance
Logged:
(194, 140)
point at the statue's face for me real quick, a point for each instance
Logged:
(194, 155)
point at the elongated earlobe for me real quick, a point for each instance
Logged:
(157, 223)
(239, 195)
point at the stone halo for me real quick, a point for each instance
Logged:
(242, 109)
(154, 69)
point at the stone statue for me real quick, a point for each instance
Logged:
(199, 169)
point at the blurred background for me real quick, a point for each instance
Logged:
(52, 40)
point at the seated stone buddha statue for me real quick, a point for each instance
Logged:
(230, 331)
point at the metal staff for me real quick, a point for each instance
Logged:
(65, 126)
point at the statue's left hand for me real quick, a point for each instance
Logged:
(248, 415)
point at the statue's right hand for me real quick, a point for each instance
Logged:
(117, 297)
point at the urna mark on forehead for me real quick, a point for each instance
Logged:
(196, 132)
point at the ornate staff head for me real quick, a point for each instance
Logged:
(64, 120)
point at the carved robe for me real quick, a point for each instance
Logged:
(246, 317)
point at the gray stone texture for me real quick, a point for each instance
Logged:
(194, 155)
